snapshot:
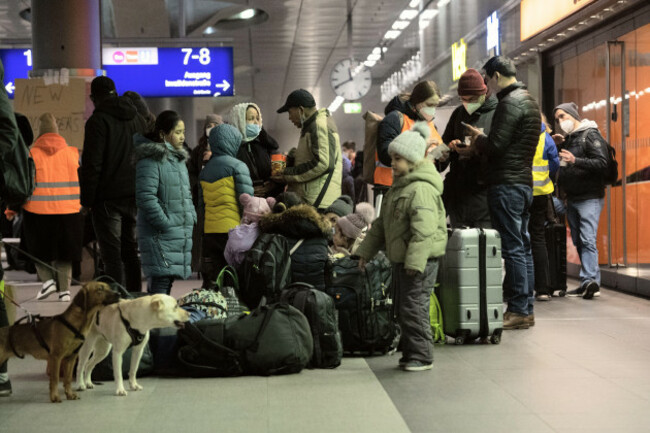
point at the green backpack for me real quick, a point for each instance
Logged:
(435, 318)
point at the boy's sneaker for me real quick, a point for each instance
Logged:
(417, 366)
(64, 296)
(402, 362)
(48, 288)
(590, 290)
(5, 389)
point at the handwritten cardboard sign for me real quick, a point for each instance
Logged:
(68, 103)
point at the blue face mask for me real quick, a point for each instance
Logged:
(252, 130)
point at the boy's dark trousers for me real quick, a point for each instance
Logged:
(213, 260)
(412, 306)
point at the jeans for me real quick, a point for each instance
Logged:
(114, 223)
(536, 225)
(583, 216)
(160, 285)
(509, 205)
(412, 294)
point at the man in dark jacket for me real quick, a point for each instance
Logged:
(107, 178)
(584, 155)
(510, 149)
(465, 193)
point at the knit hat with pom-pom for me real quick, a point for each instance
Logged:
(353, 225)
(411, 144)
(255, 207)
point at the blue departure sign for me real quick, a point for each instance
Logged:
(150, 71)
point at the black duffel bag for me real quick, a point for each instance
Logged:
(272, 339)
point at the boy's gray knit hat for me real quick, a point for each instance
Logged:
(412, 144)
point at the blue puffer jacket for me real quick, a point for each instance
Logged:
(165, 210)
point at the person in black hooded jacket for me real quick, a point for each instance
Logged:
(107, 180)
(465, 193)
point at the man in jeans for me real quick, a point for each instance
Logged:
(107, 180)
(584, 155)
(510, 148)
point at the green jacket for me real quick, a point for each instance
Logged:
(412, 225)
(318, 152)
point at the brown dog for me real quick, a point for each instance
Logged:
(58, 338)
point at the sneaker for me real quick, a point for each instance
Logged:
(514, 321)
(543, 297)
(49, 287)
(64, 296)
(530, 319)
(590, 290)
(417, 366)
(5, 389)
(402, 362)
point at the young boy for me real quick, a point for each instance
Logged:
(412, 227)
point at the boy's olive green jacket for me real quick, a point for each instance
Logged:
(412, 226)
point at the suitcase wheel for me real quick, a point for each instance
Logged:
(459, 341)
(495, 339)
(562, 293)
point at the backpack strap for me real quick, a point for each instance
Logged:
(227, 270)
(327, 184)
(296, 246)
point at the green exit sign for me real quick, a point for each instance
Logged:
(352, 107)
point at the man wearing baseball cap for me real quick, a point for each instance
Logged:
(465, 193)
(316, 174)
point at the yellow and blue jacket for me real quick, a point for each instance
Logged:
(223, 179)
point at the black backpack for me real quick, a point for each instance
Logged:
(363, 300)
(323, 320)
(611, 171)
(266, 269)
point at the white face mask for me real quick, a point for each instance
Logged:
(567, 126)
(207, 131)
(428, 113)
(471, 107)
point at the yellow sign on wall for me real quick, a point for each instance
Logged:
(538, 15)
(458, 59)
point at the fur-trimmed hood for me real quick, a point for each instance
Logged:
(301, 221)
(145, 148)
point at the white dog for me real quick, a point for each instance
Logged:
(120, 326)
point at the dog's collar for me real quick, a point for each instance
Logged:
(136, 336)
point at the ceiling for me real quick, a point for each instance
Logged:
(296, 47)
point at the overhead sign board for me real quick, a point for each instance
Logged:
(538, 15)
(150, 71)
(458, 59)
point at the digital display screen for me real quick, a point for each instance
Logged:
(150, 71)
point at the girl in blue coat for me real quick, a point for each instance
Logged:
(166, 213)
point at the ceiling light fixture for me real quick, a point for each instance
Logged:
(392, 34)
(400, 25)
(408, 14)
(336, 103)
(414, 3)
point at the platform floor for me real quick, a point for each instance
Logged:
(584, 367)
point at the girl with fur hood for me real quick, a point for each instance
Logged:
(256, 148)
(302, 222)
(412, 228)
(165, 210)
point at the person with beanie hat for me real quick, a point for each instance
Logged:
(223, 180)
(256, 148)
(412, 229)
(584, 158)
(242, 237)
(52, 219)
(350, 230)
(465, 192)
(340, 207)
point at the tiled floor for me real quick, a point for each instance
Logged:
(584, 367)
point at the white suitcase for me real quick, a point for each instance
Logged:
(470, 290)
